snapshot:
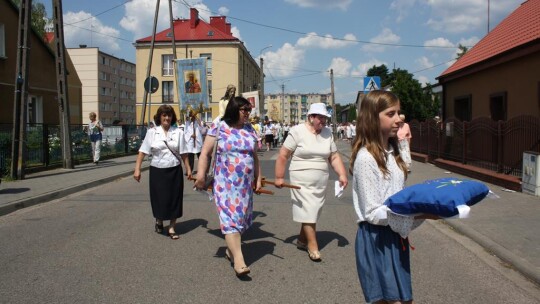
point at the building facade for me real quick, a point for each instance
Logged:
(289, 108)
(42, 104)
(498, 78)
(108, 85)
(228, 61)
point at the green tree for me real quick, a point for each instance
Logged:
(416, 103)
(352, 113)
(39, 16)
(462, 50)
(381, 71)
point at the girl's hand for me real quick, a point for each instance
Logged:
(189, 174)
(343, 181)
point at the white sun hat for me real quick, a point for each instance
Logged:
(318, 108)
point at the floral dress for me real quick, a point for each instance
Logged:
(234, 176)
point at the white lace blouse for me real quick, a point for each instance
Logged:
(371, 188)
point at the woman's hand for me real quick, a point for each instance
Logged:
(137, 174)
(258, 186)
(199, 183)
(279, 182)
(343, 181)
(189, 174)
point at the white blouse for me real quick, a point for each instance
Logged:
(371, 188)
(154, 144)
(189, 128)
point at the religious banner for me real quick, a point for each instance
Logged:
(274, 110)
(253, 98)
(192, 84)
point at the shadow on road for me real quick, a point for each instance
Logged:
(14, 190)
(323, 239)
(187, 226)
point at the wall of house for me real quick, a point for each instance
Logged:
(41, 74)
(519, 78)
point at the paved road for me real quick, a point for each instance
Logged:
(98, 246)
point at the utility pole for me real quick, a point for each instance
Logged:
(21, 92)
(261, 93)
(61, 84)
(173, 40)
(282, 103)
(149, 65)
(334, 120)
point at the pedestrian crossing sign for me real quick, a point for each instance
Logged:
(371, 83)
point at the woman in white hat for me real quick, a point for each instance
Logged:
(311, 146)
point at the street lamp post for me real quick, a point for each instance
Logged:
(261, 91)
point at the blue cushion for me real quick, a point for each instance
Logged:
(439, 196)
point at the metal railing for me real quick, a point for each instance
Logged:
(43, 147)
(494, 145)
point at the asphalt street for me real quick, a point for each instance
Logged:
(98, 246)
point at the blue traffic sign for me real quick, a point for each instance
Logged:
(371, 83)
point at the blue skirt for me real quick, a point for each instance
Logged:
(382, 261)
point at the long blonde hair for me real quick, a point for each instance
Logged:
(368, 130)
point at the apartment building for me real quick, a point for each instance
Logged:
(290, 108)
(228, 60)
(108, 85)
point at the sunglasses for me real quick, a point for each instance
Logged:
(248, 110)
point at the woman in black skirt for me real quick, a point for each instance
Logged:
(166, 144)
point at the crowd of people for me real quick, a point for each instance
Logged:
(228, 164)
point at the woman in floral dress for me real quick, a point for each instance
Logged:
(236, 175)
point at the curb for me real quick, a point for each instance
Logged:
(47, 197)
(522, 266)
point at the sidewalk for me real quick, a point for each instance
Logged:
(45, 186)
(508, 227)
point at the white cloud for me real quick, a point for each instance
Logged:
(465, 15)
(284, 61)
(422, 79)
(139, 16)
(386, 36)
(341, 4)
(311, 40)
(424, 63)
(403, 7)
(438, 42)
(223, 11)
(341, 66)
(236, 32)
(100, 35)
(470, 42)
(362, 68)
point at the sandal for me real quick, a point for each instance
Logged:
(159, 228)
(301, 245)
(243, 271)
(173, 235)
(315, 256)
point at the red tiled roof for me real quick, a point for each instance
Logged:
(520, 27)
(195, 29)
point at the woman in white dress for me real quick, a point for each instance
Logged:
(311, 146)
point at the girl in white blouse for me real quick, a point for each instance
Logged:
(382, 256)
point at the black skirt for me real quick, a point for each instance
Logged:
(166, 192)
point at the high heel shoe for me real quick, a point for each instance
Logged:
(159, 228)
(243, 271)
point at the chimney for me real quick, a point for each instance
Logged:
(220, 23)
(194, 17)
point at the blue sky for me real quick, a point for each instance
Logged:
(423, 34)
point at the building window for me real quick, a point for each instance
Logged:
(2, 41)
(210, 90)
(103, 91)
(497, 106)
(208, 63)
(168, 91)
(462, 107)
(34, 113)
(167, 65)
